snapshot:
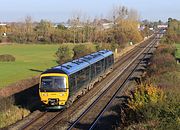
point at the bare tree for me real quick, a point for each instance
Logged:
(75, 21)
(133, 15)
(28, 24)
(118, 13)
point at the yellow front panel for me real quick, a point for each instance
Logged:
(62, 96)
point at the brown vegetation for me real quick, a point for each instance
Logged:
(10, 113)
(162, 61)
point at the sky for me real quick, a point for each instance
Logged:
(61, 10)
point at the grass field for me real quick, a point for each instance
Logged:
(178, 50)
(30, 59)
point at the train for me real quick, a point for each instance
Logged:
(61, 85)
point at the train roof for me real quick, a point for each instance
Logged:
(78, 64)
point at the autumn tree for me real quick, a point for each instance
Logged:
(28, 30)
(125, 25)
(44, 30)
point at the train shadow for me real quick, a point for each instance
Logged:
(115, 118)
(112, 120)
(36, 70)
(28, 99)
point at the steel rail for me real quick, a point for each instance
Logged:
(32, 121)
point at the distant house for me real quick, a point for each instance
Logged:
(67, 25)
(103, 23)
(151, 29)
(3, 24)
(163, 26)
(108, 25)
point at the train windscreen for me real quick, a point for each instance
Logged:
(53, 84)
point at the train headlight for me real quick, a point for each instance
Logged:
(61, 94)
(44, 94)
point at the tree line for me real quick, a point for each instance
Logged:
(124, 29)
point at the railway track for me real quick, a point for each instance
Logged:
(91, 116)
(40, 120)
(40, 115)
(47, 120)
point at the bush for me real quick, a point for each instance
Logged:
(163, 60)
(166, 80)
(102, 46)
(161, 64)
(11, 113)
(107, 46)
(6, 103)
(165, 48)
(143, 95)
(82, 50)
(153, 108)
(7, 58)
(64, 54)
(166, 113)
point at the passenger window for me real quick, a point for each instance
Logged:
(98, 67)
(93, 71)
(72, 84)
(103, 65)
(83, 77)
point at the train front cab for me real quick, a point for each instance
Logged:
(53, 90)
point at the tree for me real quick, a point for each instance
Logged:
(82, 50)
(119, 12)
(44, 30)
(64, 54)
(75, 22)
(133, 15)
(28, 28)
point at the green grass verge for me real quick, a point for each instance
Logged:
(178, 50)
(29, 58)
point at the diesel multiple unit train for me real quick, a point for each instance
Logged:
(61, 85)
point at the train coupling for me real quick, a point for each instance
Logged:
(53, 102)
